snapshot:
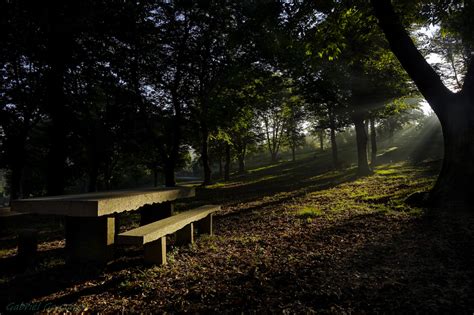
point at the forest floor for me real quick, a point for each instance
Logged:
(292, 238)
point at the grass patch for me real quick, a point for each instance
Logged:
(309, 212)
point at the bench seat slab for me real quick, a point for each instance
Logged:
(153, 231)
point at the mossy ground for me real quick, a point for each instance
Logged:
(292, 237)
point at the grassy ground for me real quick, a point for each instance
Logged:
(292, 237)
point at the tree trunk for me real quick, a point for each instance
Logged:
(391, 130)
(293, 153)
(321, 140)
(361, 137)
(332, 122)
(373, 143)
(366, 123)
(455, 111)
(59, 51)
(273, 156)
(170, 178)
(155, 176)
(15, 181)
(93, 176)
(241, 158)
(454, 187)
(335, 158)
(205, 155)
(221, 167)
(227, 162)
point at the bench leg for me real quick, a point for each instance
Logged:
(205, 225)
(155, 252)
(185, 235)
(90, 239)
(155, 212)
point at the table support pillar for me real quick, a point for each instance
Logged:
(90, 239)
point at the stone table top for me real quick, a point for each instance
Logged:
(100, 203)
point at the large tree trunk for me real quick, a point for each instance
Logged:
(293, 153)
(227, 162)
(454, 184)
(373, 143)
(454, 110)
(361, 138)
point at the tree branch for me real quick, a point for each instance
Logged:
(424, 76)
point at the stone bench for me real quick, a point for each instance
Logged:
(153, 235)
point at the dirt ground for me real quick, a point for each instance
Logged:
(292, 238)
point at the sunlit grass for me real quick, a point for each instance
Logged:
(309, 211)
(384, 192)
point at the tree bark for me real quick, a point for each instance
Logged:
(227, 162)
(361, 137)
(93, 176)
(332, 122)
(15, 181)
(373, 143)
(455, 111)
(454, 187)
(155, 176)
(59, 49)
(321, 140)
(241, 165)
(169, 170)
(241, 158)
(391, 130)
(205, 154)
(221, 167)
(335, 157)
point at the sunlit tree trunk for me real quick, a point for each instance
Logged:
(373, 143)
(335, 157)
(361, 138)
(321, 139)
(332, 122)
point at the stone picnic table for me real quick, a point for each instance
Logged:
(91, 218)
